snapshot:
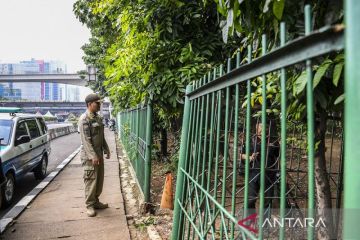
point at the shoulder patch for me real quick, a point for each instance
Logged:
(86, 128)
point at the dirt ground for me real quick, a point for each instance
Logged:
(163, 217)
(139, 215)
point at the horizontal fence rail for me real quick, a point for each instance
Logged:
(243, 161)
(135, 131)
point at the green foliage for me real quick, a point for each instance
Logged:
(150, 48)
(246, 20)
(47, 118)
(321, 71)
(327, 90)
(72, 117)
(339, 99)
(278, 8)
(144, 222)
(300, 84)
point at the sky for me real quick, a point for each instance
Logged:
(42, 29)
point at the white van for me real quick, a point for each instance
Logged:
(24, 147)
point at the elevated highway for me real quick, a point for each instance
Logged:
(72, 79)
(52, 106)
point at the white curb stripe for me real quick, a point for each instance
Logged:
(53, 174)
(24, 202)
(42, 184)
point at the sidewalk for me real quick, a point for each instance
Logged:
(59, 211)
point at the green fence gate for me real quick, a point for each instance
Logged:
(220, 190)
(135, 133)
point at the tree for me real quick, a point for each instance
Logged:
(152, 48)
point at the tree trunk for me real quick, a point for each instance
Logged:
(323, 193)
(163, 143)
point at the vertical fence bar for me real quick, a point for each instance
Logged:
(131, 128)
(148, 151)
(205, 154)
(195, 159)
(226, 150)
(202, 107)
(199, 160)
(122, 131)
(217, 142)
(180, 175)
(194, 106)
(138, 163)
(352, 120)
(188, 160)
(118, 124)
(235, 144)
(211, 143)
(247, 145)
(263, 145)
(310, 128)
(283, 136)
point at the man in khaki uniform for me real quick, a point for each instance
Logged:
(93, 146)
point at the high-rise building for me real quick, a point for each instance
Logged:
(55, 92)
(6, 69)
(9, 94)
(1, 90)
(70, 93)
(8, 90)
(31, 66)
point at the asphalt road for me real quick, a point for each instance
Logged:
(61, 148)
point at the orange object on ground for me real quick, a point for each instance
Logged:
(167, 200)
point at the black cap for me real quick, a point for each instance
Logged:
(92, 97)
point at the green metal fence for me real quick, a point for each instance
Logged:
(218, 182)
(352, 120)
(135, 131)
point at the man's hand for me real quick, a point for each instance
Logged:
(96, 161)
(108, 155)
(253, 156)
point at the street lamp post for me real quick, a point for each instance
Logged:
(92, 77)
(92, 71)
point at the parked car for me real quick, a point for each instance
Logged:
(24, 147)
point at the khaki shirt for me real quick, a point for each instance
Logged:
(92, 136)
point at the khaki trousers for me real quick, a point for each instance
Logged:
(94, 180)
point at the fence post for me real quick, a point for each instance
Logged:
(118, 123)
(180, 175)
(352, 120)
(148, 151)
(137, 160)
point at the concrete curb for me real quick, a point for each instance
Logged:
(26, 200)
